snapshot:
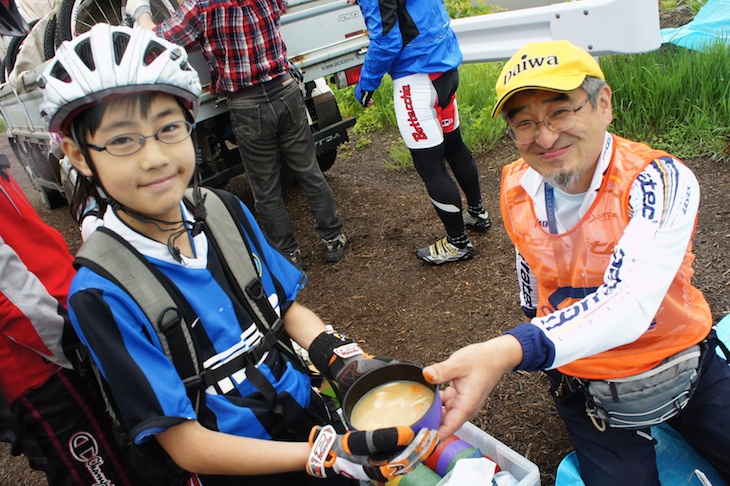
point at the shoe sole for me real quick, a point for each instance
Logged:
(334, 257)
(467, 256)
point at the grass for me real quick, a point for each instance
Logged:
(694, 5)
(674, 99)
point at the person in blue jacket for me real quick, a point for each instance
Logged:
(413, 42)
(125, 101)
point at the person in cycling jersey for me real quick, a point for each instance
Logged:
(125, 101)
(413, 42)
(603, 230)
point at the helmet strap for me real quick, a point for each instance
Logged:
(199, 212)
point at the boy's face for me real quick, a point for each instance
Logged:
(152, 180)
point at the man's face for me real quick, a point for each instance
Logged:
(566, 159)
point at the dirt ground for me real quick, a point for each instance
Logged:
(398, 306)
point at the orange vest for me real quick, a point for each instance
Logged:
(578, 260)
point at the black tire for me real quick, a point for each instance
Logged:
(49, 39)
(3, 77)
(52, 199)
(327, 159)
(12, 53)
(99, 11)
(13, 48)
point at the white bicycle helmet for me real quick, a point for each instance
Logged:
(109, 62)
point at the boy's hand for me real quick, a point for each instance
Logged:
(378, 455)
(135, 8)
(342, 360)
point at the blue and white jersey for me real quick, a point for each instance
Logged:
(406, 38)
(144, 384)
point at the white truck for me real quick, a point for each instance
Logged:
(327, 40)
(323, 37)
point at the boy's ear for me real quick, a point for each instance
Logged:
(76, 156)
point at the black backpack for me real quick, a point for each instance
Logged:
(107, 254)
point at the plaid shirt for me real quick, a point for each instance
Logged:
(240, 39)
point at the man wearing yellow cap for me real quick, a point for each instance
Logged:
(602, 228)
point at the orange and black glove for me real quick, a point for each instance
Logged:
(378, 455)
(341, 359)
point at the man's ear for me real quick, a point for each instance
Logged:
(604, 104)
(76, 156)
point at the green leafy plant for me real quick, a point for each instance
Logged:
(466, 8)
(674, 99)
(400, 157)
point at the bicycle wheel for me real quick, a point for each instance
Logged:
(78, 16)
(49, 39)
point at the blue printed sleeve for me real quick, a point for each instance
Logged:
(538, 351)
(381, 18)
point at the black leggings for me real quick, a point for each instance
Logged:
(443, 191)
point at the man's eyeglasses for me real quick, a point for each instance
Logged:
(557, 121)
(130, 143)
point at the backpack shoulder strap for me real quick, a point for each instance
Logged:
(109, 255)
(228, 225)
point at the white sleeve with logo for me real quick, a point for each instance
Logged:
(664, 201)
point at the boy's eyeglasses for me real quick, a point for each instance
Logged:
(557, 121)
(130, 143)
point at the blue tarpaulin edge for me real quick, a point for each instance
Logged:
(710, 25)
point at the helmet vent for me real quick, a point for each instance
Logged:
(60, 73)
(83, 50)
(154, 50)
(120, 41)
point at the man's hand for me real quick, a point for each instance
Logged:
(378, 455)
(135, 8)
(341, 359)
(365, 98)
(473, 371)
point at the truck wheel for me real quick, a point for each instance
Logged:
(52, 198)
(78, 16)
(327, 159)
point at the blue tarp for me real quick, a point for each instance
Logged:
(710, 25)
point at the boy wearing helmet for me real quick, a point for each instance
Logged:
(124, 100)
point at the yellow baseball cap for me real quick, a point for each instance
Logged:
(554, 66)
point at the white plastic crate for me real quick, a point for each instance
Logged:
(524, 470)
